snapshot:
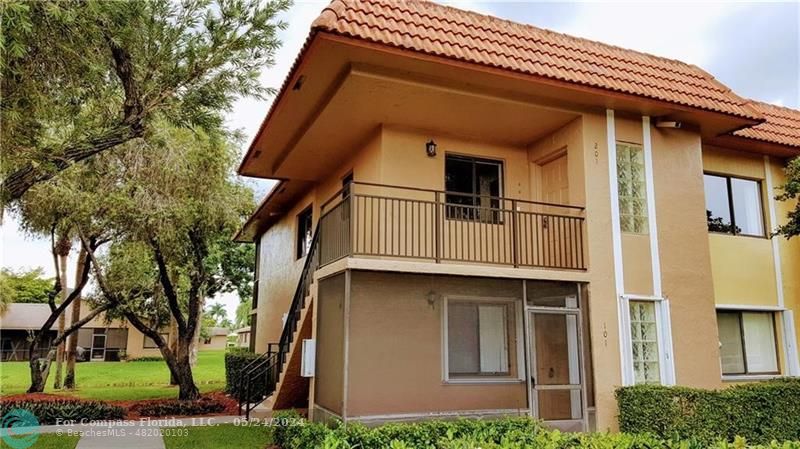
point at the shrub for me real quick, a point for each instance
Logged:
(175, 407)
(758, 412)
(292, 432)
(149, 358)
(235, 361)
(51, 410)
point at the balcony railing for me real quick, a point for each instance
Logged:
(365, 219)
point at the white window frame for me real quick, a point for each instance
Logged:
(784, 333)
(516, 303)
(666, 363)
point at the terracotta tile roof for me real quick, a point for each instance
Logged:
(449, 32)
(782, 125)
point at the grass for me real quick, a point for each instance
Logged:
(121, 380)
(50, 441)
(223, 436)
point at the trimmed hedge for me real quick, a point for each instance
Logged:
(235, 361)
(175, 407)
(758, 412)
(293, 432)
(50, 411)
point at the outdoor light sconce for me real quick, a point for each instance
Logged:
(430, 148)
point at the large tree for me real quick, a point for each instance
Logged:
(28, 286)
(175, 208)
(790, 191)
(80, 77)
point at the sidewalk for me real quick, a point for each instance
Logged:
(141, 434)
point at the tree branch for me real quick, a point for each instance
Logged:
(77, 325)
(169, 289)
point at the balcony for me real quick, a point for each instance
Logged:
(374, 220)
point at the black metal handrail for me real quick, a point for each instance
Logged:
(267, 368)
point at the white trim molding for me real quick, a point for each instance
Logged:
(789, 345)
(655, 259)
(664, 328)
(616, 243)
(398, 417)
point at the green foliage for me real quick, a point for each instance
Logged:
(235, 361)
(80, 77)
(791, 192)
(151, 358)
(759, 412)
(243, 313)
(174, 407)
(24, 286)
(293, 432)
(51, 410)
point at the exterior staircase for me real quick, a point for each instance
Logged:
(279, 368)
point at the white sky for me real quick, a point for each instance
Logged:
(751, 47)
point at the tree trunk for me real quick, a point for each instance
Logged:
(40, 370)
(63, 248)
(72, 344)
(181, 370)
(173, 345)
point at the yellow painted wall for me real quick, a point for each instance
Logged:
(743, 267)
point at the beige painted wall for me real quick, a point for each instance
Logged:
(395, 363)
(684, 256)
(329, 378)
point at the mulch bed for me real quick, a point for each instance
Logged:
(231, 405)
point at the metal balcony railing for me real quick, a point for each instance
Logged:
(375, 220)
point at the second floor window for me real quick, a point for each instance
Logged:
(733, 205)
(632, 188)
(304, 232)
(474, 186)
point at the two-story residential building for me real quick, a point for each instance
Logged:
(477, 218)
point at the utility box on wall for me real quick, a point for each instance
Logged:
(308, 358)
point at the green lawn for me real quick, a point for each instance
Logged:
(50, 441)
(223, 436)
(122, 380)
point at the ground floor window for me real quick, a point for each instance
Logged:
(480, 338)
(150, 344)
(747, 342)
(646, 340)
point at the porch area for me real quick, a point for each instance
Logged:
(407, 347)
(384, 221)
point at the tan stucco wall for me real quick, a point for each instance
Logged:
(217, 342)
(328, 381)
(395, 362)
(136, 347)
(684, 256)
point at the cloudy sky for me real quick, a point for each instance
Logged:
(753, 48)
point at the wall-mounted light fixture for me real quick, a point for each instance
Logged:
(430, 148)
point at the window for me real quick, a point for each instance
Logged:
(207, 341)
(474, 187)
(733, 205)
(346, 181)
(304, 232)
(632, 188)
(478, 338)
(747, 342)
(644, 342)
(150, 344)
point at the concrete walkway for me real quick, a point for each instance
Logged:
(141, 434)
